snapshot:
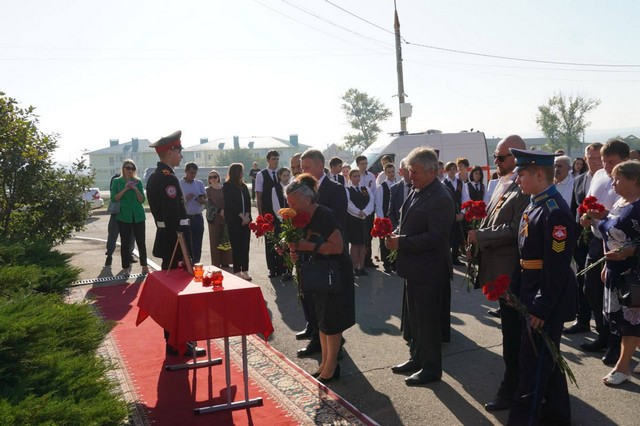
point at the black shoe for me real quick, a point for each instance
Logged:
(286, 277)
(171, 351)
(273, 274)
(312, 348)
(611, 357)
(363, 272)
(108, 261)
(336, 376)
(494, 312)
(576, 327)
(304, 334)
(595, 346)
(498, 404)
(191, 347)
(341, 350)
(388, 270)
(133, 260)
(420, 378)
(369, 264)
(410, 366)
(456, 262)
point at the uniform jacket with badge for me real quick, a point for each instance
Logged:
(498, 235)
(547, 233)
(425, 226)
(167, 207)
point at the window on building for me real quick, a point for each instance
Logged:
(111, 161)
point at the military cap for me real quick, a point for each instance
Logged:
(168, 142)
(525, 158)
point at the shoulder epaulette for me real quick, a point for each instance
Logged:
(551, 204)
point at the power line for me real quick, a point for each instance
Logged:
(333, 23)
(486, 55)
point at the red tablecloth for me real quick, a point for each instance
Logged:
(191, 312)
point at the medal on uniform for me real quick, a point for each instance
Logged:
(525, 227)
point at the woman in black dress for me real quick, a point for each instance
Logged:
(237, 202)
(360, 204)
(335, 311)
(475, 185)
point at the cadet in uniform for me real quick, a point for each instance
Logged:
(546, 285)
(166, 200)
(167, 206)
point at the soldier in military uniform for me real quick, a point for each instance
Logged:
(546, 285)
(166, 200)
(167, 206)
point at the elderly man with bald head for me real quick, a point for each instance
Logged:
(562, 178)
(498, 243)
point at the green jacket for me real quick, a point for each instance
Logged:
(131, 210)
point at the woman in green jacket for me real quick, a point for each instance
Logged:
(127, 189)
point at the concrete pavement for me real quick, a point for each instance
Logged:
(472, 363)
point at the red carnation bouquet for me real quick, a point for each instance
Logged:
(474, 212)
(292, 231)
(589, 203)
(382, 227)
(499, 289)
(263, 225)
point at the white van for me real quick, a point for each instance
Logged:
(449, 146)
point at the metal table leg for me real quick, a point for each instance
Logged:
(195, 363)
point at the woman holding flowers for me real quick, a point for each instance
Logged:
(621, 235)
(335, 311)
(218, 234)
(360, 204)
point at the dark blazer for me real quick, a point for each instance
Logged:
(580, 190)
(233, 202)
(425, 226)
(340, 178)
(333, 195)
(395, 202)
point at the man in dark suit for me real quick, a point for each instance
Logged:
(335, 171)
(332, 195)
(266, 181)
(399, 193)
(580, 189)
(422, 241)
(497, 241)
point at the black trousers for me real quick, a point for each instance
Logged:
(127, 230)
(275, 262)
(539, 380)
(583, 308)
(424, 306)
(594, 289)
(511, 325)
(368, 226)
(239, 237)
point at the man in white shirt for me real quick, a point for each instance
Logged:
(369, 180)
(460, 194)
(383, 199)
(384, 160)
(562, 178)
(335, 171)
(613, 152)
(195, 197)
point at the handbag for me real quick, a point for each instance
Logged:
(629, 288)
(212, 211)
(320, 275)
(114, 207)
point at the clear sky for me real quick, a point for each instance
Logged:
(97, 70)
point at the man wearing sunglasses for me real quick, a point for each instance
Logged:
(498, 243)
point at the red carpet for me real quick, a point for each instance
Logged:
(290, 396)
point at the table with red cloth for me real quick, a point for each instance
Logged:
(191, 312)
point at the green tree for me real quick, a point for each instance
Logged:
(363, 115)
(239, 155)
(563, 120)
(39, 201)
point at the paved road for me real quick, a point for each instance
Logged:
(472, 362)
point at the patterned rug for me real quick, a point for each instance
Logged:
(290, 395)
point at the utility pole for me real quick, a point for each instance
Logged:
(401, 95)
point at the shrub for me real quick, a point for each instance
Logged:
(49, 371)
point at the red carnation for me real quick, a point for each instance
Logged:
(497, 288)
(268, 217)
(301, 220)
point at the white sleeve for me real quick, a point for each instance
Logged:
(379, 196)
(351, 208)
(371, 204)
(465, 193)
(275, 202)
(259, 180)
(381, 178)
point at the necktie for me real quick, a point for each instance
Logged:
(273, 173)
(335, 177)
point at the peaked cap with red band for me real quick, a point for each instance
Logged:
(168, 142)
